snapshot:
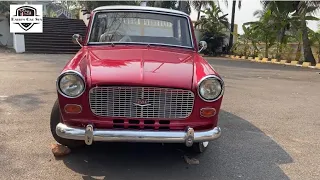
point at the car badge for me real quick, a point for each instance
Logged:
(142, 103)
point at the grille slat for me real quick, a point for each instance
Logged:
(118, 101)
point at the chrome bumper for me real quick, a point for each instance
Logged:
(89, 134)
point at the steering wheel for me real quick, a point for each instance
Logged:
(111, 33)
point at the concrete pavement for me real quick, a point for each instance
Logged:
(269, 119)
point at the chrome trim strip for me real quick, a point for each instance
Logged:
(138, 43)
(150, 11)
(222, 87)
(107, 135)
(131, 7)
(70, 72)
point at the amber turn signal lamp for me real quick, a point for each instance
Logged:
(72, 108)
(207, 112)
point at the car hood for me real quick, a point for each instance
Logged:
(149, 66)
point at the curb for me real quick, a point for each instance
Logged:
(283, 61)
(306, 64)
(264, 60)
(275, 61)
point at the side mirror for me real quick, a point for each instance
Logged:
(77, 39)
(202, 45)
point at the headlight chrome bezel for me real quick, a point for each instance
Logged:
(221, 83)
(70, 72)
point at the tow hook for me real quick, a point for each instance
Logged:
(189, 137)
(88, 138)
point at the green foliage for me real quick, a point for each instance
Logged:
(198, 5)
(265, 30)
(163, 4)
(90, 5)
(248, 41)
(315, 41)
(292, 17)
(213, 27)
(0, 21)
(5, 7)
(281, 22)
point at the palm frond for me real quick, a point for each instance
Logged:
(258, 13)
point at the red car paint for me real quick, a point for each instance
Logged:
(140, 65)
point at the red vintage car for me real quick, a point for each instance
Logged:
(138, 77)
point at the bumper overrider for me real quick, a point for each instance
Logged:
(89, 134)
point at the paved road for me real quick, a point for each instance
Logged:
(270, 122)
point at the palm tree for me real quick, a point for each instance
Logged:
(213, 16)
(4, 10)
(163, 4)
(198, 5)
(281, 21)
(184, 6)
(266, 30)
(315, 40)
(90, 5)
(302, 10)
(232, 19)
(213, 26)
(5, 7)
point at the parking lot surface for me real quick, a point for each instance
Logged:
(270, 122)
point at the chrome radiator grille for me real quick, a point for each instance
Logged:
(141, 102)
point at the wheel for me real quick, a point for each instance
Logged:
(200, 147)
(54, 121)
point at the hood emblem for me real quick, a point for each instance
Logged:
(142, 103)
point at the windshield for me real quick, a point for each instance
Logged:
(139, 27)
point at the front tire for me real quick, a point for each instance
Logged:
(200, 147)
(54, 121)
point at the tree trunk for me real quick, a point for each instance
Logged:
(266, 52)
(232, 24)
(298, 52)
(183, 6)
(199, 10)
(281, 38)
(307, 52)
(198, 17)
(282, 35)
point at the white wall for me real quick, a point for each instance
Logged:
(197, 34)
(6, 39)
(84, 17)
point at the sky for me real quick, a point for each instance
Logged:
(245, 14)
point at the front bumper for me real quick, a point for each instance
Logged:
(89, 134)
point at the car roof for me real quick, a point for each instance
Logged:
(144, 8)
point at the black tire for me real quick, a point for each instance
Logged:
(54, 121)
(200, 147)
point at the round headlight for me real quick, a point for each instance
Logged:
(71, 84)
(210, 88)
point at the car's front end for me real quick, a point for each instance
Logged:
(138, 93)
